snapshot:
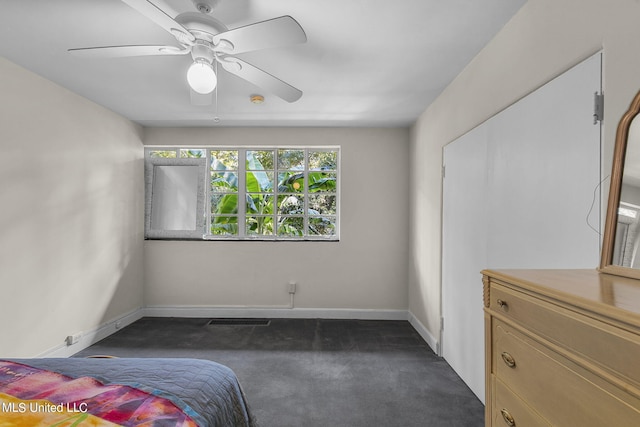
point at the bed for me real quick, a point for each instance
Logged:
(121, 392)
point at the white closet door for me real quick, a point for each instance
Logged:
(520, 191)
(464, 254)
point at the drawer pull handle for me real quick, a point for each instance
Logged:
(503, 304)
(508, 418)
(508, 359)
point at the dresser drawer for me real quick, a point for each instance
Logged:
(611, 348)
(509, 410)
(563, 393)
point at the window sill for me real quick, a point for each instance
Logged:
(233, 239)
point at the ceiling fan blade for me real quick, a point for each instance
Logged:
(262, 35)
(261, 78)
(157, 15)
(126, 51)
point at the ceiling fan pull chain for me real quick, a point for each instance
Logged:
(216, 119)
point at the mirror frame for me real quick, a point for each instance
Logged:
(615, 188)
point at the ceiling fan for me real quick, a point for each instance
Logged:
(210, 42)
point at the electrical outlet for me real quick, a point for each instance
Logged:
(292, 287)
(73, 339)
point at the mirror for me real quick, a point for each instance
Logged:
(621, 243)
(174, 198)
(173, 205)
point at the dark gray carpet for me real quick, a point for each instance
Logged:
(314, 372)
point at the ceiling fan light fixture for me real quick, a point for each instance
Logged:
(201, 77)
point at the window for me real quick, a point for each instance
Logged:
(266, 193)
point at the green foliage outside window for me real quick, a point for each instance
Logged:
(267, 214)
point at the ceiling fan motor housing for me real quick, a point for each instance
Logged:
(202, 49)
(201, 26)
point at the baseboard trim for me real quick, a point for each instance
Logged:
(274, 312)
(424, 333)
(93, 336)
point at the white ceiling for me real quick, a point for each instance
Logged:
(366, 62)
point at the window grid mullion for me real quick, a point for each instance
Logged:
(242, 193)
(305, 203)
(276, 180)
(338, 172)
(208, 194)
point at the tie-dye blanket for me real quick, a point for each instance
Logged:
(36, 397)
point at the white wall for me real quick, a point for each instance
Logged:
(543, 40)
(366, 270)
(71, 221)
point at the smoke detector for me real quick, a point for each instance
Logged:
(257, 99)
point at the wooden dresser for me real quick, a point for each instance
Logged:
(562, 348)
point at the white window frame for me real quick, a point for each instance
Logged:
(242, 193)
